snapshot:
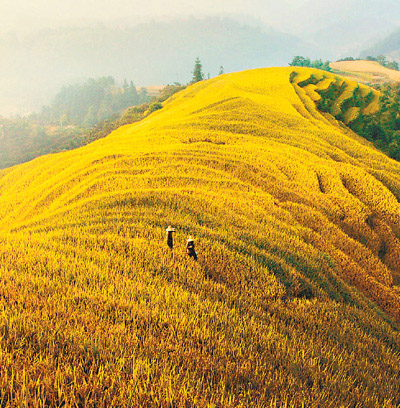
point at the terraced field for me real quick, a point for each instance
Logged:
(294, 300)
(370, 72)
(343, 99)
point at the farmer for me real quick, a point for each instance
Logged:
(190, 248)
(170, 239)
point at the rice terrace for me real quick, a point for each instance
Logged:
(294, 300)
(365, 71)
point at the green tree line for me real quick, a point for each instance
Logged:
(381, 59)
(299, 61)
(90, 102)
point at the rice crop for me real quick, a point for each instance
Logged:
(294, 300)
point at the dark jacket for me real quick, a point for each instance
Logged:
(190, 249)
(170, 239)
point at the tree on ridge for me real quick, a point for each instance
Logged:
(197, 72)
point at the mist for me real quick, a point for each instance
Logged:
(48, 44)
(292, 16)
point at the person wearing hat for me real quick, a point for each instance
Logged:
(170, 239)
(190, 248)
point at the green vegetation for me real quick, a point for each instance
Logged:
(382, 60)
(90, 102)
(383, 127)
(198, 74)
(299, 61)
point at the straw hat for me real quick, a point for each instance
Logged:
(170, 229)
(190, 238)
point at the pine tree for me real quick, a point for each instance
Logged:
(197, 72)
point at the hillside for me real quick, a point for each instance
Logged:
(294, 300)
(69, 120)
(370, 72)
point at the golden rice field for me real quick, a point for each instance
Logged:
(365, 71)
(294, 300)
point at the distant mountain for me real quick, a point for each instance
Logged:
(389, 46)
(152, 53)
(348, 26)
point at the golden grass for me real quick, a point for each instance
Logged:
(369, 71)
(293, 301)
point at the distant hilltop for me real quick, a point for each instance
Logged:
(365, 71)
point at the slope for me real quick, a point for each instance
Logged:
(365, 71)
(295, 296)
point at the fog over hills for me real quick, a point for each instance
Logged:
(44, 46)
(389, 46)
(35, 66)
(347, 27)
(292, 16)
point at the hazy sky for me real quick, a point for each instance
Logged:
(21, 15)
(293, 16)
(330, 29)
